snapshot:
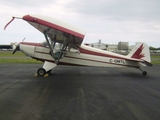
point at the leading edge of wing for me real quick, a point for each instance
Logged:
(55, 24)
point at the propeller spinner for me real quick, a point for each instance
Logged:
(17, 47)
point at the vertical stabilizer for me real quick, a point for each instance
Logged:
(140, 51)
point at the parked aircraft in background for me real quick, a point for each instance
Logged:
(64, 46)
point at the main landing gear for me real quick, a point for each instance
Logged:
(42, 72)
(143, 72)
(46, 69)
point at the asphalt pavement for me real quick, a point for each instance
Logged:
(79, 93)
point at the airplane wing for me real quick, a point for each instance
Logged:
(56, 29)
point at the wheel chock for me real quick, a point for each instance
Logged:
(46, 75)
(36, 75)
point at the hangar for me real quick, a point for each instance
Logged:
(6, 47)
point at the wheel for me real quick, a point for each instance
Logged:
(41, 71)
(144, 73)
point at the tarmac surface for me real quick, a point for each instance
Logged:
(79, 93)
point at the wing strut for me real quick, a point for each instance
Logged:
(51, 43)
(63, 49)
(51, 50)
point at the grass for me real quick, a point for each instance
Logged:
(18, 57)
(18, 61)
(155, 59)
(9, 54)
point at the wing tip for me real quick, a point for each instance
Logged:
(11, 21)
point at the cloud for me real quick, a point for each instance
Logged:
(108, 20)
(118, 9)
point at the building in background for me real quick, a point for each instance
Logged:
(121, 46)
(131, 47)
(103, 46)
(98, 45)
(6, 47)
(112, 47)
(10, 46)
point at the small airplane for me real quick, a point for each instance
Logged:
(63, 46)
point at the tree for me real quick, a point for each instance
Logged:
(152, 48)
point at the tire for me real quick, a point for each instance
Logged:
(41, 71)
(144, 73)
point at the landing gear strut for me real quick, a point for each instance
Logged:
(143, 72)
(46, 69)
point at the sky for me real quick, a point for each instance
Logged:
(110, 21)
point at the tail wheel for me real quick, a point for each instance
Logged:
(144, 73)
(41, 71)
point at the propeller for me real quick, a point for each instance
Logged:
(17, 47)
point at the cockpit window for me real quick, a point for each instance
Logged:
(71, 48)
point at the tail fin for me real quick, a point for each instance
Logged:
(140, 51)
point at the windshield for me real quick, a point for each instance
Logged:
(72, 48)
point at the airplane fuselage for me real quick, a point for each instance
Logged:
(84, 56)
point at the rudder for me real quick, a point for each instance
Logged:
(140, 51)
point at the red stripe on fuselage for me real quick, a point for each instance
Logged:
(74, 64)
(89, 52)
(31, 43)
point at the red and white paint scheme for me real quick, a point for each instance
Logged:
(63, 46)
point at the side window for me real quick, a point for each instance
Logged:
(73, 49)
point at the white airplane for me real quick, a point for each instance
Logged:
(63, 46)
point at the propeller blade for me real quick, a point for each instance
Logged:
(23, 39)
(16, 49)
